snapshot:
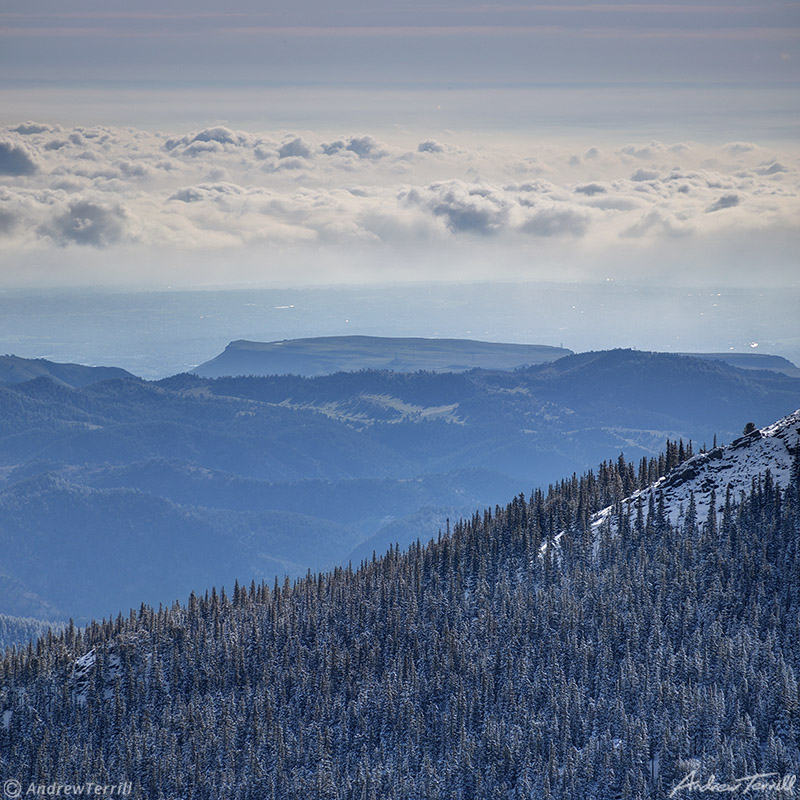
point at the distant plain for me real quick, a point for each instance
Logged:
(158, 334)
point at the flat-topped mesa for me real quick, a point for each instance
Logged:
(328, 354)
(752, 361)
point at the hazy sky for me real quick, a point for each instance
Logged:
(440, 43)
(311, 142)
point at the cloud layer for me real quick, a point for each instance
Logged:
(98, 188)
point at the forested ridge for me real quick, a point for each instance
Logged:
(487, 664)
(295, 473)
(20, 629)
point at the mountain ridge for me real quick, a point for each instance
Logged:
(341, 463)
(773, 450)
(15, 369)
(752, 360)
(325, 355)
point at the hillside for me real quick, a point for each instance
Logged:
(327, 354)
(20, 630)
(118, 546)
(479, 665)
(295, 473)
(14, 369)
(722, 473)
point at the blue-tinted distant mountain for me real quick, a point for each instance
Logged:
(20, 601)
(752, 361)
(14, 369)
(21, 630)
(189, 481)
(328, 354)
(119, 545)
(91, 552)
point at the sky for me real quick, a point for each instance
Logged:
(178, 144)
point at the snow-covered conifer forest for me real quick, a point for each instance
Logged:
(495, 662)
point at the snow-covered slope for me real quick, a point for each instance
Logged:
(734, 465)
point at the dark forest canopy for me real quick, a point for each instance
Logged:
(486, 664)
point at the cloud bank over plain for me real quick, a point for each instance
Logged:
(90, 194)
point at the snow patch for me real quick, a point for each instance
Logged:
(81, 676)
(734, 466)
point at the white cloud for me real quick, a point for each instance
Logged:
(364, 146)
(34, 127)
(436, 147)
(641, 151)
(771, 167)
(738, 148)
(295, 148)
(591, 189)
(658, 221)
(104, 188)
(15, 160)
(465, 208)
(430, 146)
(644, 175)
(726, 201)
(557, 221)
(208, 140)
(87, 223)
